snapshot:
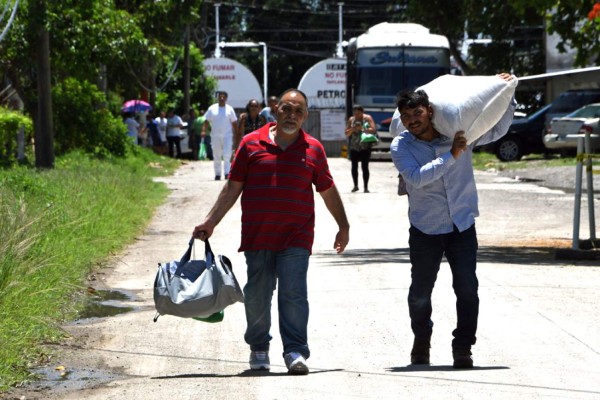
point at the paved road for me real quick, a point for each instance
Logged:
(539, 323)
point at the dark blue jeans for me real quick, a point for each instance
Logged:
(426, 251)
(265, 269)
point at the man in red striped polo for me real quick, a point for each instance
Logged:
(274, 170)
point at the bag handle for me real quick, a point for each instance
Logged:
(188, 254)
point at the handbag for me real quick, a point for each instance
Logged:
(202, 150)
(196, 288)
(368, 138)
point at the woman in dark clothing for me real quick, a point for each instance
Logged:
(360, 152)
(249, 121)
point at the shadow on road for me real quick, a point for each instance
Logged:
(247, 373)
(486, 254)
(427, 368)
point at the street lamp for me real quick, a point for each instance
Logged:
(249, 44)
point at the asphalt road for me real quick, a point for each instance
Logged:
(538, 332)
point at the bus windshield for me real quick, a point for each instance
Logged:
(383, 72)
(388, 81)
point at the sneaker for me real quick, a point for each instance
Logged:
(420, 351)
(217, 177)
(296, 364)
(462, 358)
(259, 360)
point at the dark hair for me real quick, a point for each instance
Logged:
(297, 91)
(249, 103)
(412, 99)
(357, 107)
(222, 92)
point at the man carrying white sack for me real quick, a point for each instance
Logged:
(442, 199)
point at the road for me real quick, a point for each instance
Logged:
(538, 331)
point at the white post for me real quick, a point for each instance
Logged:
(590, 185)
(217, 38)
(577, 208)
(340, 51)
(265, 75)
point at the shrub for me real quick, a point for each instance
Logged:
(83, 121)
(10, 123)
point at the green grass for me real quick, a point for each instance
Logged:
(487, 161)
(57, 226)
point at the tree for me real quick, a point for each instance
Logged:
(578, 27)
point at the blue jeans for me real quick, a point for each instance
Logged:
(426, 251)
(265, 268)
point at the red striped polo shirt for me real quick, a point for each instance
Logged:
(278, 207)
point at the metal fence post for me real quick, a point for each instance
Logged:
(577, 208)
(590, 186)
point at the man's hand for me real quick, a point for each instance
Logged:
(459, 145)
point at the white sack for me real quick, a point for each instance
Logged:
(473, 104)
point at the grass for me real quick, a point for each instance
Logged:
(57, 226)
(487, 161)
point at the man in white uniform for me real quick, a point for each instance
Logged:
(223, 122)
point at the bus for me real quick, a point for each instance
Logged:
(388, 58)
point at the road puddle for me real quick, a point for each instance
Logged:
(105, 303)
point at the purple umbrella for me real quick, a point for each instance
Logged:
(136, 106)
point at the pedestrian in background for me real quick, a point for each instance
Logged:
(153, 135)
(133, 127)
(205, 133)
(442, 199)
(249, 121)
(174, 125)
(194, 134)
(161, 124)
(274, 170)
(360, 152)
(222, 119)
(270, 111)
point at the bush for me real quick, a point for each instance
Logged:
(82, 121)
(10, 123)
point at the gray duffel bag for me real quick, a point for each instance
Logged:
(195, 288)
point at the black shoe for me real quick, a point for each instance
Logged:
(420, 351)
(355, 189)
(367, 191)
(217, 177)
(462, 358)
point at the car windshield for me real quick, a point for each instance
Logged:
(539, 112)
(566, 102)
(592, 111)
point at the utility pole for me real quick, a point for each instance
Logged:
(186, 70)
(44, 132)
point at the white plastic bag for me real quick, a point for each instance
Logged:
(473, 104)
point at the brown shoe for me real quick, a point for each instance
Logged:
(420, 351)
(462, 358)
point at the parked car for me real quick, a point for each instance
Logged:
(569, 101)
(564, 132)
(524, 137)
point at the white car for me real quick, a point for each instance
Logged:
(564, 132)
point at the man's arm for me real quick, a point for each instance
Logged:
(334, 204)
(227, 198)
(205, 127)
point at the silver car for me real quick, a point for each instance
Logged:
(565, 131)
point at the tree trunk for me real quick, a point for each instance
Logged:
(44, 133)
(186, 71)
